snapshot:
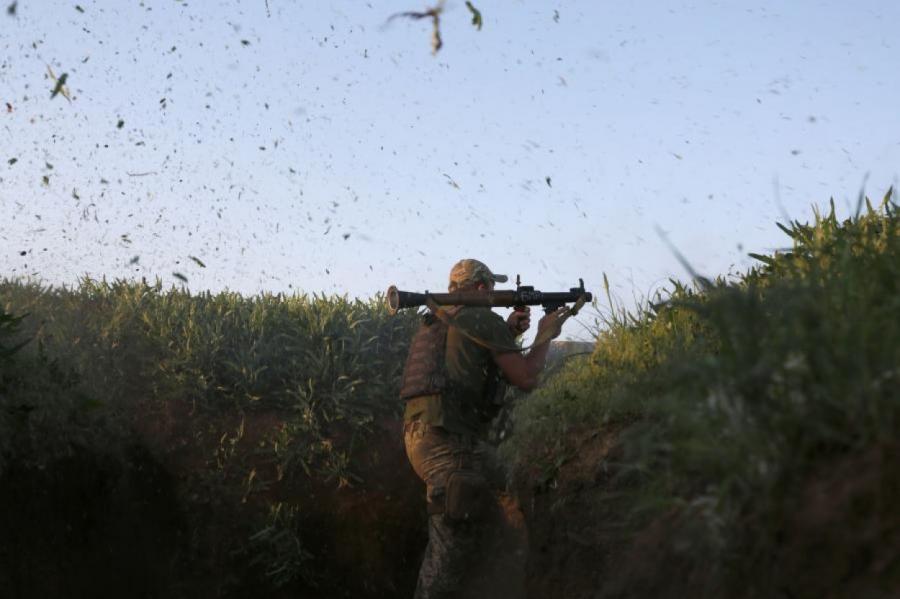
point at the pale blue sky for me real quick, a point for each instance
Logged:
(265, 156)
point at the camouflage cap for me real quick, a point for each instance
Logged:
(470, 271)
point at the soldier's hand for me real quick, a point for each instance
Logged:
(552, 321)
(519, 321)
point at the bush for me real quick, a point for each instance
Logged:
(738, 391)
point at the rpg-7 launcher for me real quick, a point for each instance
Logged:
(521, 297)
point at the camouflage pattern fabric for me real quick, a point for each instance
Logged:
(475, 393)
(470, 271)
(462, 557)
(451, 549)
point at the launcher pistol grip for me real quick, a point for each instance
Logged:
(528, 289)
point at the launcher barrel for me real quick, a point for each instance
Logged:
(398, 300)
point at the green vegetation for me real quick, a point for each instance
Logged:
(327, 360)
(43, 412)
(93, 369)
(735, 395)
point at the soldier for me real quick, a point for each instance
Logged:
(452, 387)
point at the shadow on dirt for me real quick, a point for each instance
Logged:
(133, 525)
(89, 526)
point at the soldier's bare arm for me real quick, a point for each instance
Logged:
(522, 371)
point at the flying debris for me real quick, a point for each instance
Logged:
(180, 277)
(11, 9)
(451, 181)
(476, 15)
(60, 85)
(547, 179)
(198, 261)
(434, 14)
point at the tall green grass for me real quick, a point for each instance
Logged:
(325, 360)
(735, 392)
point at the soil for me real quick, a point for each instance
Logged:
(138, 524)
(842, 539)
(839, 539)
(573, 520)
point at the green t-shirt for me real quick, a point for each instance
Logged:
(466, 407)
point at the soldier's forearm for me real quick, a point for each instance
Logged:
(536, 359)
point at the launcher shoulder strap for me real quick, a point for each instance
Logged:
(449, 319)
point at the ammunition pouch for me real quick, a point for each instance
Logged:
(464, 499)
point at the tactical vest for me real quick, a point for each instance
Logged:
(425, 372)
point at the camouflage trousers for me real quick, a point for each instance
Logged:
(465, 559)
